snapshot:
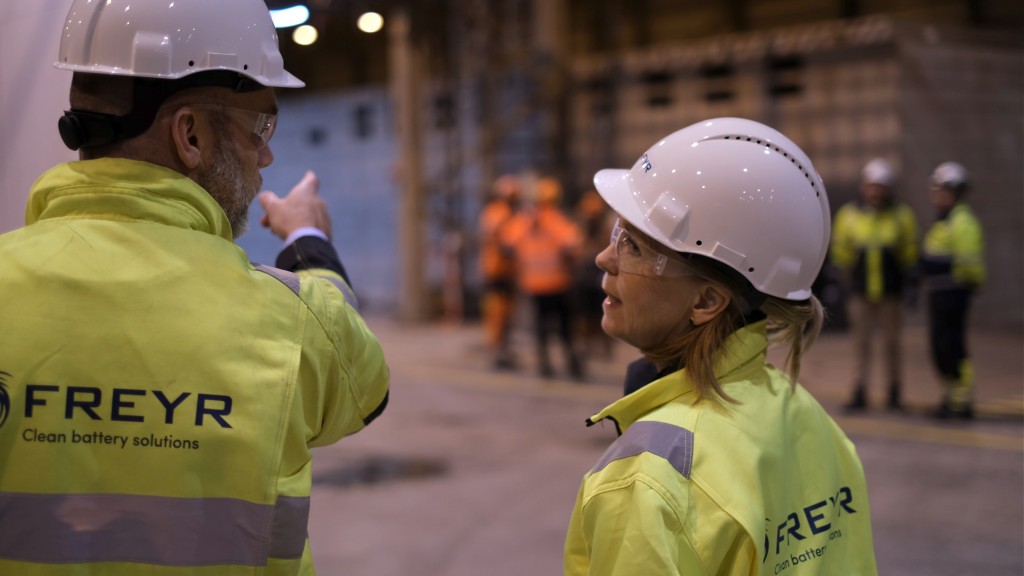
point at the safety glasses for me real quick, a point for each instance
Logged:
(635, 257)
(260, 123)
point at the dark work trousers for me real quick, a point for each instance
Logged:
(554, 311)
(947, 327)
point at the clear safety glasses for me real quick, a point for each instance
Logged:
(637, 258)
(260, 123)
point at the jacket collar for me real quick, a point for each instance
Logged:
(746, 348)
(955, 209)
(126, 190)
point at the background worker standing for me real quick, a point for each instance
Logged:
(497, 269)
(166, 392)
(874, 244)
(596, 221)
(953, 267)
(545, 244)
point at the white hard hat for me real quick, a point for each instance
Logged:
(733, 190)
(173, 39)
(878, 171)
(951, 175)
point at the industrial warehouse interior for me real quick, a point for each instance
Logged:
(413, 111)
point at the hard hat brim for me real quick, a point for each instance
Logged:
(284, 80)
(614, 187)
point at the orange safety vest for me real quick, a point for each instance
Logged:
(545, 244)
(494, 263)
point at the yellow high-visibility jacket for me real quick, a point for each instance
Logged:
(875, 248)
(954, 251)
(768, 486)
(160, 393)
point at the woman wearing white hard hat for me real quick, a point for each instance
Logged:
(724, 464)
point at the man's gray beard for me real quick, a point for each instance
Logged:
(226, 182)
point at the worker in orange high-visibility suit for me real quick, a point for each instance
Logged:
(596, 222)
(497, 269)
(545, 244)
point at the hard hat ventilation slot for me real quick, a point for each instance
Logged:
(785, 154)
(191, 63)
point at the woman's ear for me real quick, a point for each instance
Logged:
(186, 139)
(712, 300)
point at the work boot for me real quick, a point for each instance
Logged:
(544, 368)
(859, 401)
(946, 411)
(505, 361)
(895, 400)
(576, 368)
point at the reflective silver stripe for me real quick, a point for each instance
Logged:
(671, 442)
(350, 296)
(78, 528)
(289, 279)
(288, 528)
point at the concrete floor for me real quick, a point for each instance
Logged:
(472, 472)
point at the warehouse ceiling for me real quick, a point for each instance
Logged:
(344, 57)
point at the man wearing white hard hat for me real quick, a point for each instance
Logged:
(165, 392)
(874, 245)
(724, 464)
(953, 265)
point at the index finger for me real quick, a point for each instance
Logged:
(309, 185)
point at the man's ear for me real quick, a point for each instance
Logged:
(185, 136)
(712, 300)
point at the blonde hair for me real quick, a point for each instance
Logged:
(795, 324)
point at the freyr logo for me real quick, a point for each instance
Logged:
(5, 398)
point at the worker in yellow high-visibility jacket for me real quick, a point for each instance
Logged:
(953, 266)
(160, 394)
(874, 244)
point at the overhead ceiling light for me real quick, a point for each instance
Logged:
(370, 22)
(305, 35)
(288, 17)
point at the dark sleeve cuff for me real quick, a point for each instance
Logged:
(311, 252)
(936, 266)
